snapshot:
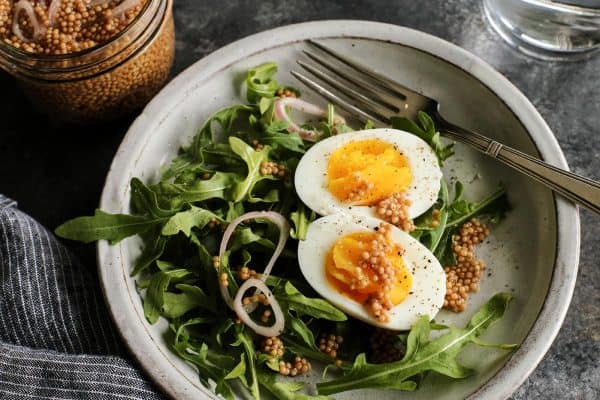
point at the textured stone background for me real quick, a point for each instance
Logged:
(57, 172)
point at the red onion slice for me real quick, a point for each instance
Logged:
(125, 6)
(244, 316)
(284, 231)
(280, 113)
(52, 10)
(25, 5)
(94, 3)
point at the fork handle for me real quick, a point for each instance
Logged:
(574, 187)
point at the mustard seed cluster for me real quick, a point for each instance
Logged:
(330, 343)
(256, 298)
(394, 209)
(285, 93)
(63, 26)
(272, 346)
(384, 273)
(245, 273)
(384, 347)
(258, 146)
(300, 366)
(464, 278)
(273, 168)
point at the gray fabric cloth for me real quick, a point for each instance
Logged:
(56, 338)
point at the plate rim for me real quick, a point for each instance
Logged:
(550, 318)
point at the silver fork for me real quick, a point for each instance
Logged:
(377, 98)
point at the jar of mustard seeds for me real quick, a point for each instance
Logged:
(87, 61)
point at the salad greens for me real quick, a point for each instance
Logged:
(218, 178)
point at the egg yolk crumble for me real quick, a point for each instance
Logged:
(368, 268)
(367, 171)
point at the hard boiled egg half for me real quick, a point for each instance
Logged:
(372, 270)
(352, 172)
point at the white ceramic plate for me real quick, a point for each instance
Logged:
(534, 253)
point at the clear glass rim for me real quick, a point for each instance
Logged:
(565, 7)
(21, 54)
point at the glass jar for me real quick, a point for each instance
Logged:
(104, 82)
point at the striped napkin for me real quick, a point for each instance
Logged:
(56, 338)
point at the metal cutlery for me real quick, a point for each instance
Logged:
(369, 95)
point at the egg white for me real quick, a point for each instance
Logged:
(429, 280)
(311, 179)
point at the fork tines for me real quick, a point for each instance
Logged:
(363, 92)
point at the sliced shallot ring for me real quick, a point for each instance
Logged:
(284, 231)
(25, 5)
(52, 10)
(94, 3)
(125, 6)
(280, 113)
(243, 313)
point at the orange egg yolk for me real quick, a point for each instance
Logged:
(365, 266)
(367, 171)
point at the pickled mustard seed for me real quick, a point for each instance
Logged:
(329, 344)
(123, 81)
(285, 93)
(74, 25)
(272, 346)
(464, 277)
(395, 210)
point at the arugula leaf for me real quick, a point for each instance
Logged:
(203, 254)
(245, 340)
(301, 219)
(244, 236)
(154, 300)
(238, 371)
(422, 354)
(461, 210)
(111, 227)
(234, 210)
(184, 221)
(200, 357)
(431, 236)
(218, 186)
(253, 159)
(153, 249)
(333, 126)
(177, 304)
(277, 135)
(292, 299)
(426, 131)
(145, 201)
(183, 165)
(299, 328)
(225, 118)
(369, 125)
(260, 82)
(284, 390)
